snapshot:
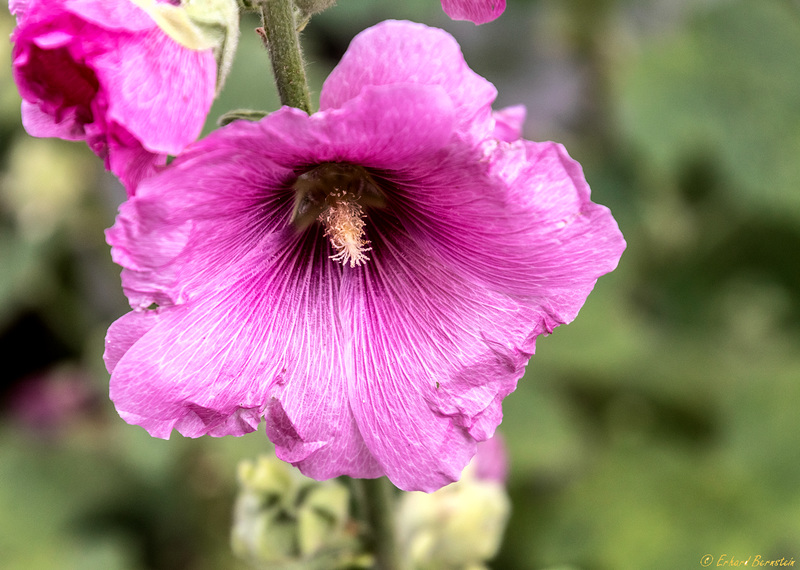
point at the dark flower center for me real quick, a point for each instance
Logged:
(336, 195)
(56, 76)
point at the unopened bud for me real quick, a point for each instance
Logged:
(462, 524)
(282, 517)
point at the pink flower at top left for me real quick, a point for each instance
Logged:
(104, 72)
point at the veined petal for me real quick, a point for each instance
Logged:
(123, 15)
(524, 226)
(157, 89)
(183, 230)
(397, 53)
(323, 444)
(233, 345)
(266, 343)
(130, 161)
(576, 241)
(166, 381)
(124, 333)
(476, 11)
(431, 356)
(383, 127)
(308, 418)
(243, 189)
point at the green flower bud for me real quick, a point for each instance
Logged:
(311, 7)
(457, 527)
(284, 518)
(325, 509)
(199, 25)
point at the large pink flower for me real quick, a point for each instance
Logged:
(104, 72)
(370, 279)
(476, 11)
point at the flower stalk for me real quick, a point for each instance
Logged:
(378, 504)
(281, 37)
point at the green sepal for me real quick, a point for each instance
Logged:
(200, 25)
(310, 7)
(241, 114)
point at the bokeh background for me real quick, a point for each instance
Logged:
(661, 426)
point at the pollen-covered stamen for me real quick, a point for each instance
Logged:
(337, 195)
(344, 226)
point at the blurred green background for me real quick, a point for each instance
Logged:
(661, 426)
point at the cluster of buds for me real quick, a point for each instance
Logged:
(283, 519)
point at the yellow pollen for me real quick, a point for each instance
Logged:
(344, 227)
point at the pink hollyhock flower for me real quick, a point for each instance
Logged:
(476, 11)
(370, 279)
(104, 72)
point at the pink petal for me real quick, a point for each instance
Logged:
(266, 342)
(526, 228)
(431, 351)
(130, 161)
(395, 367)
(172, 242)
(396, 53)
(491, 460)
(17, 7)
(255, 161)
(383, 127)
(40, 124)
(166, 381)
(157, 90)
(53, 84)
(123, 16)
(309, 418)
(508, 123)
(124, 333)
(476, 11)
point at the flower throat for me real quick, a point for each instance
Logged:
(336, 195)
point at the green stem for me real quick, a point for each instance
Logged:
(378, 504)
(283, 43)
